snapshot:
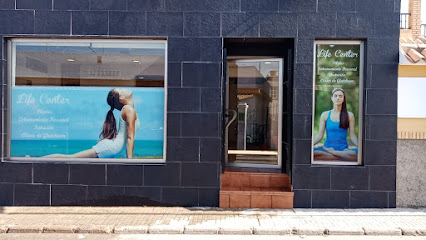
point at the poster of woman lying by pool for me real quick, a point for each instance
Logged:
(103, 123)
(337, 101)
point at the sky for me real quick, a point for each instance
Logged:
(78, 113)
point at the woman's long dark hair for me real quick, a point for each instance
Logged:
(109, 130)
(344, 116)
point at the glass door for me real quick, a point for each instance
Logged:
(254, 105)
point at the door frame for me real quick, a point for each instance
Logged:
(280, 111)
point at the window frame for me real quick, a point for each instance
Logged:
(7, 111)
(360, 119)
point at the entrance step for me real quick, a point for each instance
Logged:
(255, 190)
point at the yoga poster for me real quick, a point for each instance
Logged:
(337, 103)
(61, 123)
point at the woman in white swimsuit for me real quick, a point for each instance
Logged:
(112, 141)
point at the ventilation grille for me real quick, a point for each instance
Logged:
(411, 135)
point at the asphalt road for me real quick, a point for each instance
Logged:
(54, 236)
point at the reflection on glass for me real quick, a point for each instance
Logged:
(254, 94)
(139, 64)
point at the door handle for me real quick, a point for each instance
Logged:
(234, 116)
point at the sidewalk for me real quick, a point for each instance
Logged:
(179, 220)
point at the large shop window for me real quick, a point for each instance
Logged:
(87, 100)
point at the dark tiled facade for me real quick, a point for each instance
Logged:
(195, 30)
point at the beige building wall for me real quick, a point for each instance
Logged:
(415, 17)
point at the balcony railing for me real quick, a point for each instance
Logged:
(403, 20)
(423, 30)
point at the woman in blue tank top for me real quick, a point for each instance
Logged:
(112, 141)
(336, 123)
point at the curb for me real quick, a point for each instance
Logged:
(201, 229)
(95, 229)
(165, 229)
(214, 230)
(382, 231)
(60, 229)
(346, 231)
(131, 230)
(236, 231)
(25, 229)
(413, 232)
(311, 231)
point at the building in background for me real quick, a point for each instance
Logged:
(230, 103)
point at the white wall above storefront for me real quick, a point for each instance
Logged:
(411, 97)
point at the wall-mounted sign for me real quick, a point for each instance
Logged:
(87, 100)
(337, 107)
